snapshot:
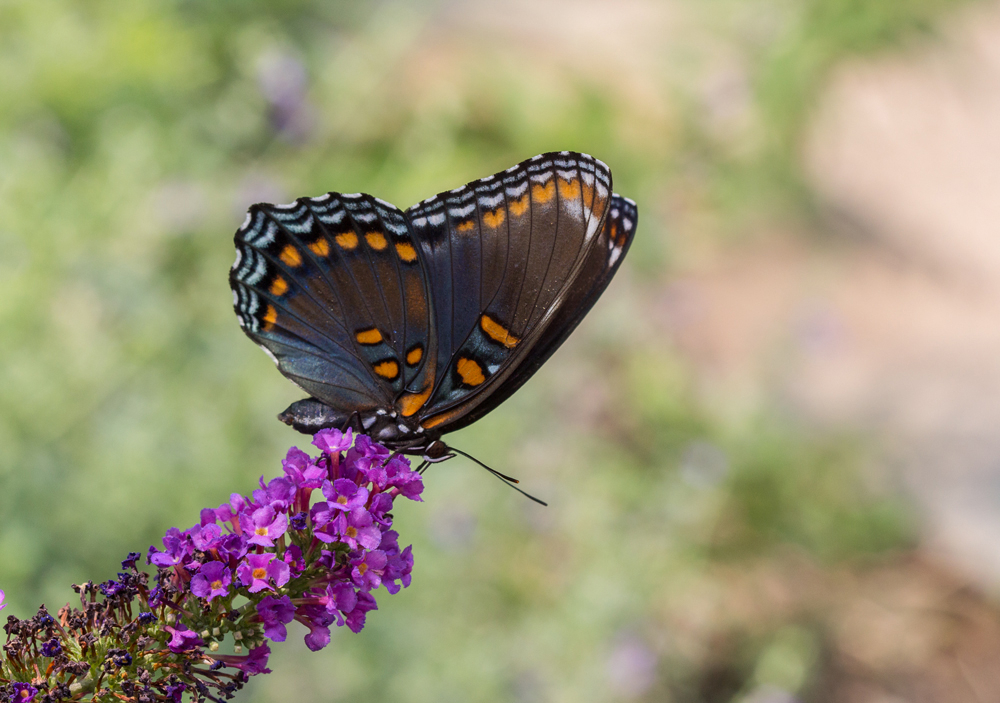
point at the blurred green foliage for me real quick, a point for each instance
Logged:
(134, 135)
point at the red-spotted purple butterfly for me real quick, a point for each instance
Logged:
(409, 325)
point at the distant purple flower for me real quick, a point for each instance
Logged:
(212, 580)
(258, 569)
(23, 692)
(182, 639)
(333, 441)
(207, 516)
(274, 613)
(344, 494)
(356, 528)
(368, 568)
(264, 526)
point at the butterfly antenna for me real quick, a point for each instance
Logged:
(510, 481)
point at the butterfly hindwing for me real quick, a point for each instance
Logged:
(507, 250)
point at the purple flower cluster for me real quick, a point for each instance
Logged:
(311, 546)
(296, 558)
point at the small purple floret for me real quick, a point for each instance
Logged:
(182, 639)
(23, 692)
(356, 528)
(212, 580)
(275, 613)
(333, 441)
(368, 568)
(258, 569)
(264, 525)
(345, 495)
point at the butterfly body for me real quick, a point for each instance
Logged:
(409, 325)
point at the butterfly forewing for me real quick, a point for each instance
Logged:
(339, 274)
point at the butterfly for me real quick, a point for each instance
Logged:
(409, 325)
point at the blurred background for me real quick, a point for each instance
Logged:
(771, 450)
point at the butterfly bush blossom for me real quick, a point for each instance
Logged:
(310, 546)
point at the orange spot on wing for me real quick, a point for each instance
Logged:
(406, 252)
(412, 402)
(518, 207)
(498, 332)
(270, 317)
(387, 369)
(570, 190)
(465, 226)
(279, 286)
(320, 247)
(347, 240)
(291, 256)
(543, 194)
(369, 336)
(376, 240)
(470, 371)
(414, 356)
(438, 419)
(588, 195)
(494, 219)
